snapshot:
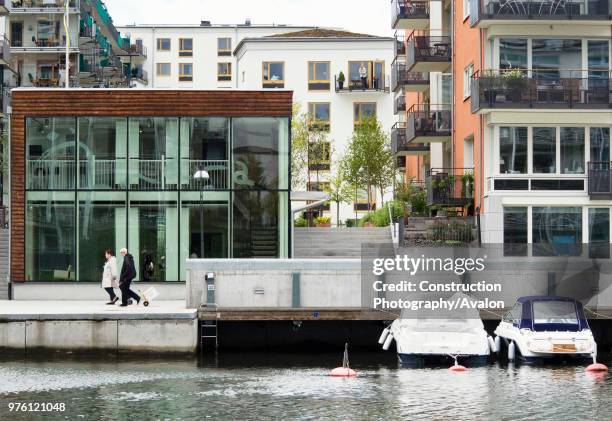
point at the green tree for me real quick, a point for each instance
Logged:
(369, 161)
(340, 191)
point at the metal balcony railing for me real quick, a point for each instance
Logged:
(401, 77)
(429, 120)
(373, 84)
(400, 45)
(218, 171)
(5, 51)
(554, 10)
(427, 49)
(400, 143)
(399, 104)
(600, 179)
(42, 6)
(404, 11)
(452, 187)
(541, 88)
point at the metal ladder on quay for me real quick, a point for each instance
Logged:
(209, 332)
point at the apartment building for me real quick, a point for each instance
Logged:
(304, 60)
(532, 112)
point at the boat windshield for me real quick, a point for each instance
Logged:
(554, 312)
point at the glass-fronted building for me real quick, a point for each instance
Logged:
(94, 182)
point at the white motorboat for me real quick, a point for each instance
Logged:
(421, 341)
(540, 327)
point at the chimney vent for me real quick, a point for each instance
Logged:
(205, 23)
(247, 22)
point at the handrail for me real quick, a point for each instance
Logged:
(539, 9)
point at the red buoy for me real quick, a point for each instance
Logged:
(457, 368)
(343, 372)
(596, 367)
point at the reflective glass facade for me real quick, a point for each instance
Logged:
(96, 183)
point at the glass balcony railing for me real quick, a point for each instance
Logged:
(428, 53)
(409, 81)
(409, 14)
(451, 187)
(546, 10)
(541, 88)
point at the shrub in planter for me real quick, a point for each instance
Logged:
(323, 221)
(341, 80)
(300, 222)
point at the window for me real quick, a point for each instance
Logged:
(224, 72)
(16, 34)
(163, 44)
(572, 150)
(513, 150)
(544, 150)
(319, 115)
(363, 110)
(557, 231)
(512, 53)
(468, 72)
(185, 72)
(319, 156)
(555, 58)
(599, 233)
(185, 47)
(318, 76)
(224, 46)
(556, 312)
(366, 75)
(600, 144)
(515, 231)
(163, 69)
(466, 8)
(273, 74)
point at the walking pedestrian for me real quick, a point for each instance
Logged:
(109, 276)
(128, 273)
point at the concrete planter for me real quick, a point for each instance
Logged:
(323, 225)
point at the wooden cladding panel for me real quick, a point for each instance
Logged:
(119, 103)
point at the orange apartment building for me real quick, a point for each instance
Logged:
(516, 94)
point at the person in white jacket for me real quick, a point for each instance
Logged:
(110, 276)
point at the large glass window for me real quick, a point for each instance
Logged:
(153, 146)
(572, 150)
(102, 153)
(260, 153)
(259, 224)
(599, 233)
(50, 153)
(50, 249)
(515, 231)
(513, 53)
(556, 58)
(557, 231)
(598, 62)
(205, 146)
(600, 144)
(544, 150)
(153, 232)
(102, 220)
(513, 150)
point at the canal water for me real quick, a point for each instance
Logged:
(296, 387)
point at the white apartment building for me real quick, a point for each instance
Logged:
(304, 60)
(195, 56)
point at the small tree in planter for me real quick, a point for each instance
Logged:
(340, 191)
(515, 82)
(341, 80)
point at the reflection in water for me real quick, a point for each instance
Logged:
(275, 386)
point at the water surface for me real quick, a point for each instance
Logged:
(287, 386)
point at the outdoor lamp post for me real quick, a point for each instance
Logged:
(201, 176)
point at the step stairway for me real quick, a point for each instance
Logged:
(337, 243)
(264, 242)
(4, 263)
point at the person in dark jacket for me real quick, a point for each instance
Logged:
(128, 273)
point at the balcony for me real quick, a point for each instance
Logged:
(51, 43)
(548, 89)
(357, 86)
(400, 146)
(450, 187)
(5, 51)
(600, 180)
(139, 74)
(409, 81)
(429, 123)
(133, 51)
(43, 6)
(409, 14)
(485, 12)
(399, 104)
(428, 53)
(400, 46)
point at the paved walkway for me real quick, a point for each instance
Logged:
(92, 310)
